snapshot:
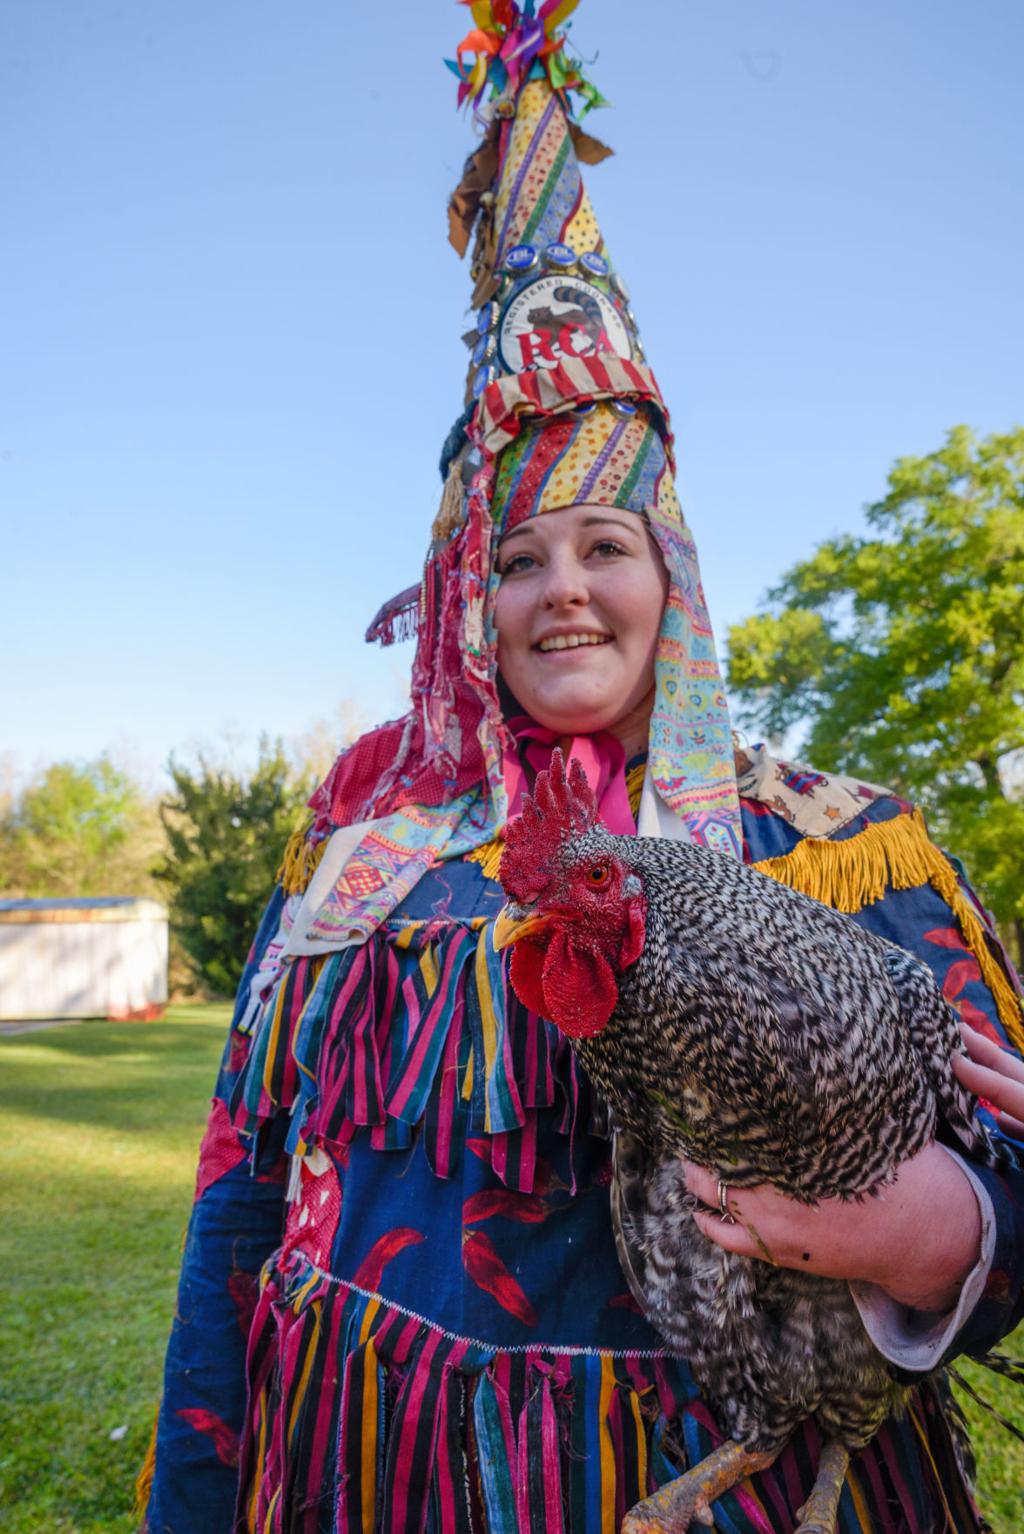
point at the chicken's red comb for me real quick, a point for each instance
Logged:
(560, 807)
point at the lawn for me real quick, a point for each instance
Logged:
(99, 1127)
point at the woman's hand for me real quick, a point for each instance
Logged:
(995, 1075)
(918, 1239)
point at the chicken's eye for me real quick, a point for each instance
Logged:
(598, 876)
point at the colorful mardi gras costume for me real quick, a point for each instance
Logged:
(441, 1338)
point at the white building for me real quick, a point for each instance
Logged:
(82, 958)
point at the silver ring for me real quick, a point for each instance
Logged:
(724, 1212)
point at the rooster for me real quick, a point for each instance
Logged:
(732, 1021)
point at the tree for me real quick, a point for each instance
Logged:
(315, 750)
(901, 654)
(78, 829)
(226, 833)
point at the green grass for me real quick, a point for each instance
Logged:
(99, 1127)
(1000, 1456)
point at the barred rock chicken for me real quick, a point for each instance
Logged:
(731, 1020)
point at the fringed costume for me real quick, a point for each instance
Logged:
(400, 1305)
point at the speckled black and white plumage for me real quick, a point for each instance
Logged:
(770, 1039)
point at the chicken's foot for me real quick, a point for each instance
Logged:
(672, 1509)
(820, 1512)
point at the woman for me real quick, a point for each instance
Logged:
(442, 1339)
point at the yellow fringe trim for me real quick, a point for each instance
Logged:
(144, 1480)
(635, 785)
(300, 861)
(489, 855)
(849, 875)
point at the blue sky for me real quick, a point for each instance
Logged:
(229, 346)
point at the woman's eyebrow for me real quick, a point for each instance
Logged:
(619, 522)
(611, 521)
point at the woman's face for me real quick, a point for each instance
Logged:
(578, 614)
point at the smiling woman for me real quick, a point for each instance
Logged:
(409, 1156)
(578, 613)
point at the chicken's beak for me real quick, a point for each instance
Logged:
(509, 927)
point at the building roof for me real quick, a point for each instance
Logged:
(81, 908)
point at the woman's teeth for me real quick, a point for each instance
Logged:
(570, 641)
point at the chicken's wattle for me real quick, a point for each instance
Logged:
(566, 980)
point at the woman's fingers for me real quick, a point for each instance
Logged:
(738, 1238)
(987, 1052)
(996, 1086)
(763, 1222)
(702, 1184)
(738, 1233)
(995, 1075)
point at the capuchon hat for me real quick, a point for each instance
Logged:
(560, 408)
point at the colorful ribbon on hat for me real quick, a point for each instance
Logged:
(507, 41)
(603, 455)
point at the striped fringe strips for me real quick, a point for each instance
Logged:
(851, 874)
(489, 856)
(412, 1029)
(361, 1416)
(906, 1481)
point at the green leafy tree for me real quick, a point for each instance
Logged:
(225, 836)
(78, 829)
(901, 654)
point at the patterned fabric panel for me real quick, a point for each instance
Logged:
(364, 1416)
(811, 803)
(600, 459)
(541, 196)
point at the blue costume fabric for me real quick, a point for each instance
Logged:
(442, 1339)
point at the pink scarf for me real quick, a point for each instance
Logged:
(600, 755)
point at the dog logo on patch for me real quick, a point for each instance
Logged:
(555, 319)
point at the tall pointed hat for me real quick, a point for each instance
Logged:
(554, 329)
(560, 408)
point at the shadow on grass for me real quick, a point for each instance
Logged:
(95, 1038)
(134, 1077)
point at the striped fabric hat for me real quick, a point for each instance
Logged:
(603, 454)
